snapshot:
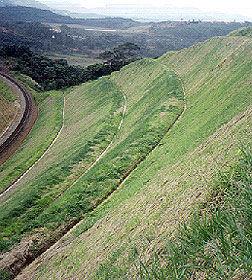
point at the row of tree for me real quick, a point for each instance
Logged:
(56, 74)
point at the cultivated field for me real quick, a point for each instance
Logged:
(82, 60)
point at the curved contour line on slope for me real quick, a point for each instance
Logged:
(73, 227)
(104, 152)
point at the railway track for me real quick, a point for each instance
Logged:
(29, 117)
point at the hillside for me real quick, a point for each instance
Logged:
(26, 3)
(164, 188)
(8, 107)
(19, 13)
(136, 152)
(71, 168)
(31, 14)
(45, 31)
(39, 5)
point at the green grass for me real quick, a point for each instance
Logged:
(216, 242)
(6, 92)
(49, 122)
(54, 198)
(39, 193)
(161, 192)
(7, 105)
(247, 32)
(170, 161)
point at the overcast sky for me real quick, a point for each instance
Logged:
(243, 7)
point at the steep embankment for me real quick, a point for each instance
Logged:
(9, 106)
(42, 134)
(109, 128)
(22, 123)
(161, 192)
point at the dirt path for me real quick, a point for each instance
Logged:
(15, 134)
(4, 195)
(110, 144)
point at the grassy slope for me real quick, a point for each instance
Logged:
(247, 32)
(215, 243)
(79, 127)
(44, 131)
(161, 192)
(8, 108)
(53, 198)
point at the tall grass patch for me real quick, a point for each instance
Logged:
(217, 242)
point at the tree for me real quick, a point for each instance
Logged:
(123, 53)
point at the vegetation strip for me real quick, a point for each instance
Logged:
(99, 157)
(13, 186)
(106, 149)
(76, 223)
(110, 144)
(161, 113)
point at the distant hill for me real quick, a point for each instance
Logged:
(90, 37)
(25, 3)
(30, 14)
(79, 15)
(18, 13)
(38, 5)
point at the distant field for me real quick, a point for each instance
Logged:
(154, 39)
(161, 192)
(135, 29)
(81, 60)
(8, 107)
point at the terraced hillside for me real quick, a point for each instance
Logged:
(137, 152)
(108, 129)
